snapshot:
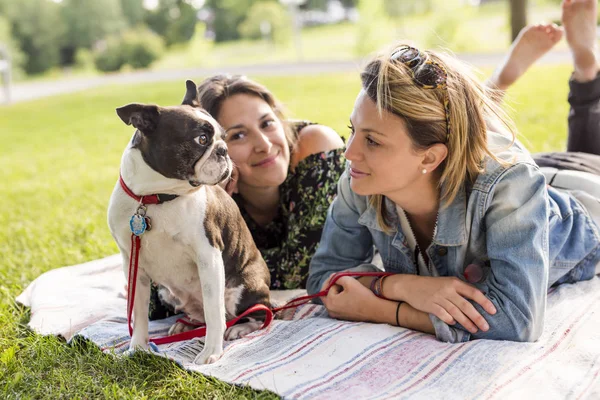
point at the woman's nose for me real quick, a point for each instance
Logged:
(351, 153)
(262, 143)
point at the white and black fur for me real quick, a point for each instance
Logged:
(199, 249)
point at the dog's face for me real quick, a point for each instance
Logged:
(180, 142)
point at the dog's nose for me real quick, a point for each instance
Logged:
(222, 151)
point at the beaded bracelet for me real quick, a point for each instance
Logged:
(377, 286)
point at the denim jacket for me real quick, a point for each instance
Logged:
(525, 235)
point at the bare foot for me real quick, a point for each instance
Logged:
(533, 42)
(579, 20)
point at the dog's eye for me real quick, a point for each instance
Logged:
(202, 140)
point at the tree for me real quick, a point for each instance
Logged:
(37, 28)
(518, 17)
(6, 39)
(228, 15)
(133, 11)
(91, 20)
(349, 3)
(174, 20)
(275, 15)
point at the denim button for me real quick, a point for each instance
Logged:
(442, 251)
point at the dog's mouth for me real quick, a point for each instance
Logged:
(194, 183)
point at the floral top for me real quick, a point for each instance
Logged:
(289, 241)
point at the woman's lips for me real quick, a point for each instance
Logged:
(357, 174)
(267, 161)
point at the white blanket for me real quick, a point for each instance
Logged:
(309, 355)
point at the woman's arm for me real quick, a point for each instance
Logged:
(314, 139)
(516, 227)
(345, 244)
(350, 300)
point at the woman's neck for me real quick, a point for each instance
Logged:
(421, 204)
(262, 203)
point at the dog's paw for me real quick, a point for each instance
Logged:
(137, 344)
(179, 327)
(207, 357)
(240, 330)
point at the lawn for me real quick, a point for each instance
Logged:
(60, 157)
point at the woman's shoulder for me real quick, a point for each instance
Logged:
(512, 162)
(313, 139)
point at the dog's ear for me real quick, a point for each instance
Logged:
(143, 117)
(191, 94)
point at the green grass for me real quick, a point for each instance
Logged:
(60, 158)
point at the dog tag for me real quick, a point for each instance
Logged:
(138, 225)
(148, 223)
(139, 221)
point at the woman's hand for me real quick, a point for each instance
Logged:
(446, 298)
(349, 300)
(230, 185)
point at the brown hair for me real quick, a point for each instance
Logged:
(389, 83)
(213, 91)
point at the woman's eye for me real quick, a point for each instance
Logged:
(235, 136)
(371, 142)
(351, 128)
(201, 140)
(268, 123)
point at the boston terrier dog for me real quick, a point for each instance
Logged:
(199, 249)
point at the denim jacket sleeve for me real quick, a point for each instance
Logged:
(345, 244)
(515, 220)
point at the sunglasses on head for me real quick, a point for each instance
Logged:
(426, 73)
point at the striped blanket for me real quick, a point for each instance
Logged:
(308, 355)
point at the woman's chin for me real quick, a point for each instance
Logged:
(360, 188)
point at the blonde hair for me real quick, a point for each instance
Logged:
(390, 84)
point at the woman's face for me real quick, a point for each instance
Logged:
(255, 141)
(381, 155)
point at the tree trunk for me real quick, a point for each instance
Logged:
(518, 17)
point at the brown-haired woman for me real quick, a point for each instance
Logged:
(286, 174)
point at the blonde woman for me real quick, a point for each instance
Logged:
(458, 209)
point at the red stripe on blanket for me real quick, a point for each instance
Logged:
(335, 328)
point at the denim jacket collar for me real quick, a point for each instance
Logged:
(451, 225)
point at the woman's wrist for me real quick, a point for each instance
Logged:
(395, 287)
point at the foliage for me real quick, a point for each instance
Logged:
(396, 9)
(16, 56)
(372, 14)
(141, 47)
(37, 29)
(133, 11)
(89, 21)
(137, 48)
(271, 13)
(228, 15)
(174, 20)
(84, 59)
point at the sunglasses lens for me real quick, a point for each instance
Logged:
(407, 55)
(430, 75)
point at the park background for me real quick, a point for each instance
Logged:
(74, 61)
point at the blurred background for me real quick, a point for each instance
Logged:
(54, 38)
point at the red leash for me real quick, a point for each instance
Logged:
(201, 330)
(136, 245)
